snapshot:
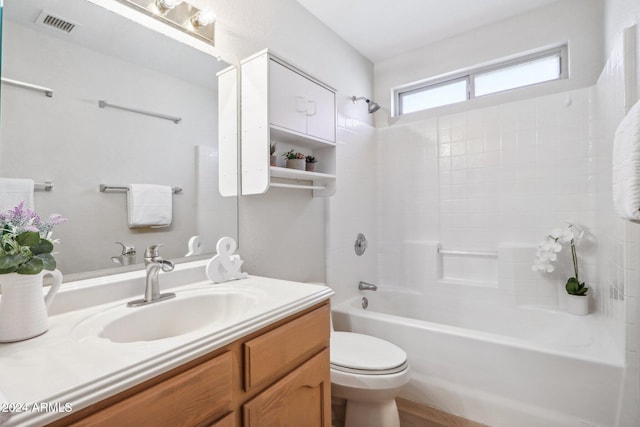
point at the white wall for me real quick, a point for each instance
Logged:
(283, 233)
(578, 22)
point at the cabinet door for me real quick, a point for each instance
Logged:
(302, 398)
(321, 113)
(287, 98)
(228, 421)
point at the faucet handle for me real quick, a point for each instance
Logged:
(126, 249)
(153, 251)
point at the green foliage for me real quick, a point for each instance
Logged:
(311, 159)
(25, 245)
(25, 253)
(272, 148)
(291, 154)
(574, 287)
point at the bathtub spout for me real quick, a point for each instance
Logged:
(364, 286)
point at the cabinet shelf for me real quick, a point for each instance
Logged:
(277, 172)
(289, 136)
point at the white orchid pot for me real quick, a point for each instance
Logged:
(578, 304)
(23, 306)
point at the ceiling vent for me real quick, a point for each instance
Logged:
(52, 21)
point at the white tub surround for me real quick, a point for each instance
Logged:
(497, 365)
(70, 365)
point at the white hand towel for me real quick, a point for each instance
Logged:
(626, 166)
(15, 190)
(149, 205)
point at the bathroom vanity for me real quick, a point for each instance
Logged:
(267, 365)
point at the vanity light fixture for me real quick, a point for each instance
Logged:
(203, 18)
(179, 14)
(166, 5)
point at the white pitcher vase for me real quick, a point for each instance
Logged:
(23, 308)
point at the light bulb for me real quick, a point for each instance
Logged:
(167, 5)
(203, 18)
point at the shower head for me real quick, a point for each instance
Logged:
(371, 105)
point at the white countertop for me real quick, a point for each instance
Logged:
(68, 365)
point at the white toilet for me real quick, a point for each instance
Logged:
(368, 373)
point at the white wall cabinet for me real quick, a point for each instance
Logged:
(228, 131)
(284, 106)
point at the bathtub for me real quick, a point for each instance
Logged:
(494, 363)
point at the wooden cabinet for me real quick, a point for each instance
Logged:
(278, 376)
(299, 399)
(284, 106)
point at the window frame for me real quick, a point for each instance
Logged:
(470, 75)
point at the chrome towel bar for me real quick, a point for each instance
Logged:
(104, 104)
(106, 188)
(48, 92)
(43, 186)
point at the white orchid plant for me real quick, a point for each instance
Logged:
(548, 251)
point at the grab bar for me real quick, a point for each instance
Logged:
(474, 253)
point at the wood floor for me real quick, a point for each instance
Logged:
(415, 415)
(411, 415)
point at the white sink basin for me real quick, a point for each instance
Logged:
(189, 311)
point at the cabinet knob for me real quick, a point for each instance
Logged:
(301, 104)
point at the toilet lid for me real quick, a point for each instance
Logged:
(360, 353)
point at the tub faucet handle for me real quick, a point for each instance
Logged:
(364, 286)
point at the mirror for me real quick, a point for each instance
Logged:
(68, 140)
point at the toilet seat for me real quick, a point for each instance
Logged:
(365, 355)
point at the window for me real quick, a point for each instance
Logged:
(435, 95)
(523, 71)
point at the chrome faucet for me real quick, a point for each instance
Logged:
(364, 286)
(153, 263)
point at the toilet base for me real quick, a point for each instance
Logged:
(372, 414)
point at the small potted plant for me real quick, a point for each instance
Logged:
(294, 160)
(577, 299)
(310, 163)
(272, 153)
(25, 257)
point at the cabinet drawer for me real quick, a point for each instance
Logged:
(190, 398)
(302, 398)
(275, 353)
